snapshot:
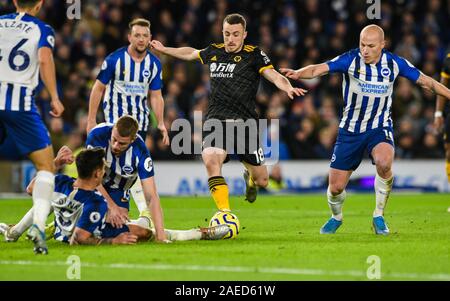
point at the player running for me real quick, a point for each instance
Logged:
(441, 108)
(129, 78)
(366, 125)
(26, 46)
(80, 210)
(235, 71)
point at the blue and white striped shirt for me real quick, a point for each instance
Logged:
(127, 85)
(121, 172)
(21, 36)
(367, 88)
(75, 207)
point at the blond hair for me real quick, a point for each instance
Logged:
(139, 22)
(127, 126)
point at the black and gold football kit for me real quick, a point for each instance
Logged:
(446, 74)
(234, 81)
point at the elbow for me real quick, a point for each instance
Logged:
(43, 63)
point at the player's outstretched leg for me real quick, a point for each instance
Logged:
(210, 233)
(254, 177)
(251, 191)
(336, 194)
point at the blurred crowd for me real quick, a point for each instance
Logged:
(292, 33)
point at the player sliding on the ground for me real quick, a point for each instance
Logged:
(235, 71)
(80, 210)
(366, 125)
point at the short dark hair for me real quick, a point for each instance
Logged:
(88, 161)
(235, 19)
(127, 126)
(139, 22)
(27, 3)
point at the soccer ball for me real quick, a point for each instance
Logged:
(228, 218)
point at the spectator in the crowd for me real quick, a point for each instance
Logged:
(276, 181)
(291, 32)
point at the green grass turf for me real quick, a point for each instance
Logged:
(279, 240)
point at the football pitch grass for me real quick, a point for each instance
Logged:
(279, 240)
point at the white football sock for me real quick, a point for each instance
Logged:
(138, 196)
(142, 222)
(182, 235)
(42, 194)
(25, 223)
(383, 188)
(335, 203)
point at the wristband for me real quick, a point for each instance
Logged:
(438, 114)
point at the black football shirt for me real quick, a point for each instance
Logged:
(234, 80)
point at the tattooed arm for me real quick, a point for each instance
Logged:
(83, 237)
(432, 85)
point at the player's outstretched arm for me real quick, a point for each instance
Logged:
(182, 53)
(153, 202)
(432, 85)
(48, 75)
(282, 83)
(83, 237)
(94, 101)
(157, 104)
(307, 72)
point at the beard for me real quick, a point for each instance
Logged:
(140, 50)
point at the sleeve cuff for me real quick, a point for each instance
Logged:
(261, 70)
(445, 75)
(200, 57)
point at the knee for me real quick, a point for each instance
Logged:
(211, 164)
(262, 181)
(45, 166)
(383, 167)
(335, 189)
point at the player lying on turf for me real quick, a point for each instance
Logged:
(80, 210)
(369, 74)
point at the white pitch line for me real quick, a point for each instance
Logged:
(234, 269)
